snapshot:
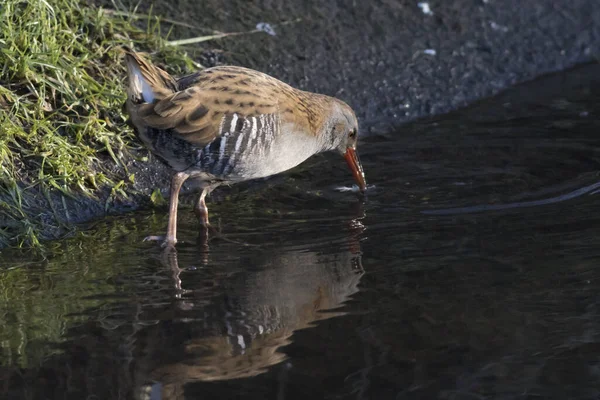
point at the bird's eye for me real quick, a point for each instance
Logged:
(352, 134)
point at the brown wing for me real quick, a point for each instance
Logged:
(195, 113)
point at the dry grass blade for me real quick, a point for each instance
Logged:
(206, 38)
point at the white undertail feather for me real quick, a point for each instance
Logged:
(138, 84)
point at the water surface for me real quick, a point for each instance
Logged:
(470, 272)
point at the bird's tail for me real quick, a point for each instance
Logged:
(147, 82)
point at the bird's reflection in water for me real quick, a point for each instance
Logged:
(239, 331)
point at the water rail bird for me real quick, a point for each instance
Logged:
(229, 124)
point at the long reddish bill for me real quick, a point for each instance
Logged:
(357, 170)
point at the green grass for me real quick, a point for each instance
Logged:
(62, 127)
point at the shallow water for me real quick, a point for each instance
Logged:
(470, 272)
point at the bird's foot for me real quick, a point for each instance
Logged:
(166, 242)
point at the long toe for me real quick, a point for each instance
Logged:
(165, 241)
(154, 238)
(214, 230)
(168, 243)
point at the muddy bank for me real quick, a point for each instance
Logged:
(398, 60)
(393, 61)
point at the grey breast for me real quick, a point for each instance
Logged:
(243, 142)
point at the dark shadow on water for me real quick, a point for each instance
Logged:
(470, 272)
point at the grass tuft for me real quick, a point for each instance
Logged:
(62, 127)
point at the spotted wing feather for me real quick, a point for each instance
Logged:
(195, 113)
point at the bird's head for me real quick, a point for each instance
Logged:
(342, 132)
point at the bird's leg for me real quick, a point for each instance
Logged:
(176, 182)
(201, 210)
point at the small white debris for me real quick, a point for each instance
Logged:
(425, 8)
(241, 342)
(430, 52)
(497, 27)
(265, 27)
(46, 106)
